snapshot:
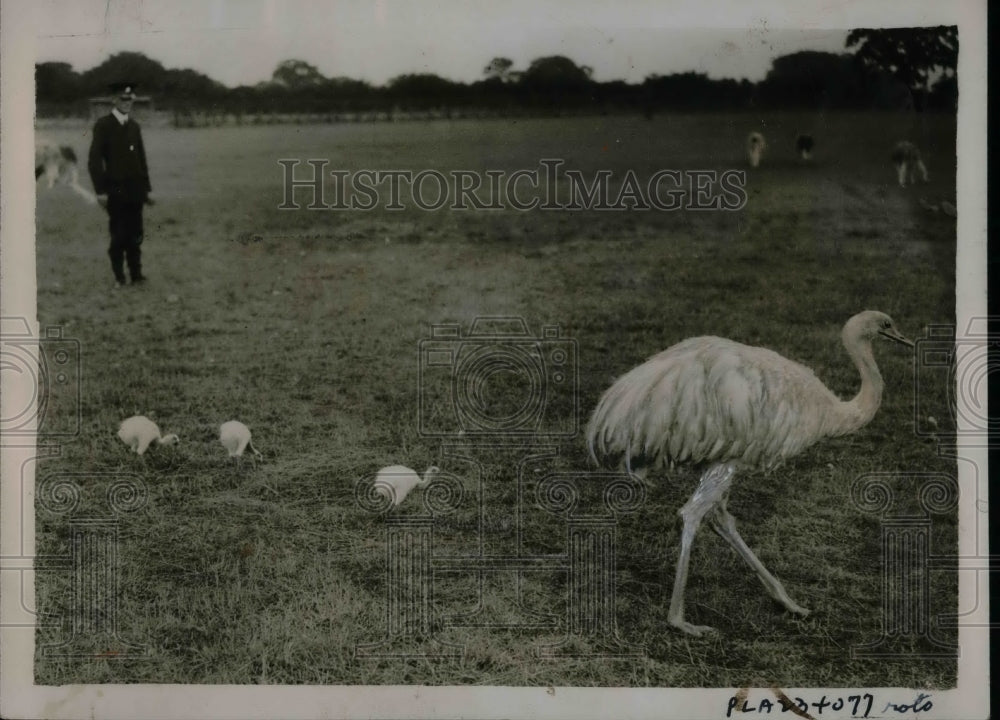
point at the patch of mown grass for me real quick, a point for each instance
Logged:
(271, 573)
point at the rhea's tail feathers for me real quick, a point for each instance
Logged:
(606, 447)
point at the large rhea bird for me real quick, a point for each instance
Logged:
(717, 403)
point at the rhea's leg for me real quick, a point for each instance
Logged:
(711, 490)
(724, 524)
(901, 173)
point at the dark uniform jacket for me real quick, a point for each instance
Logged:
(117, 160)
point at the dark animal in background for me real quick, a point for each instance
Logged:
(804, 146)
(755, 148)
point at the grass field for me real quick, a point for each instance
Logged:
(305, 325)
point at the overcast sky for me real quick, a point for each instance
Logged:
(242, 41)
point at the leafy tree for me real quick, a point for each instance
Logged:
(556, 72)
(423, 91)
(57, 82)
(693, 91)
(148, 75)
(944, 94)
(297, 74)
(346, 94)
(812, 79)
(914, 56)
(556, 83)
(192, 85)
(499, 68)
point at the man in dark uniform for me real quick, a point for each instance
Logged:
(118, 170)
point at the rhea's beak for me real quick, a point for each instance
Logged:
(893, 334)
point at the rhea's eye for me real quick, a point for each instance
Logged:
(886, 324)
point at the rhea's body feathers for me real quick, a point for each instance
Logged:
(396, 481)
(709, 399)
(706, 399)
(235, 437)
(139, 432)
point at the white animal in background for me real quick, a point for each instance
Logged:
(396, 481)
(732, 407)
(235, 437)
(755, 148)
(804, 146)
(908, 162)
(139, 432)
(57, 163)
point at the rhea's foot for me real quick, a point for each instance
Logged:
(789, 604)
(797, 609)
(690, 629)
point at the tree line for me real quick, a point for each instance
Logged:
(888, 69)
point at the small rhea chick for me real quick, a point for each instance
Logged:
(139, 432)
(396, 481)
(235, 437)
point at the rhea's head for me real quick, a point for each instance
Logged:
(866, 326)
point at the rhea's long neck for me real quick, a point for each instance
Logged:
(859, 411)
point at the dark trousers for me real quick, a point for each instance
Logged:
(125, 224)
